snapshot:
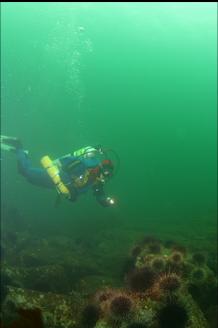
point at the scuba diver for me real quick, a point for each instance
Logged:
(71, 175)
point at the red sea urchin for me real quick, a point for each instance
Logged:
(103, 295)
(141, 279)
(169, 282)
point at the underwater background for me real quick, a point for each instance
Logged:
(137, 78)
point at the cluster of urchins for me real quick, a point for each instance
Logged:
(156, 290)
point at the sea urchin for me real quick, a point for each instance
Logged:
(141, 279)
(169, 282)
(121, 306)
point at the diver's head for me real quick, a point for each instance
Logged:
(107, 168)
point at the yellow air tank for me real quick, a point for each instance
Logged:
(53, 172)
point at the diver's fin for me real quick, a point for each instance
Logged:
(7, 147)
(7, 137)
(10, 143)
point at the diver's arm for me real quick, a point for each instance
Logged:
(100, 196)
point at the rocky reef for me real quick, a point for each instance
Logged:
(158, 290)
(49, 283)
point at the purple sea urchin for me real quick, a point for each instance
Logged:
(176, 257)
(173, 315)
(150, 239)
(90, 315)
(155, 248)
(199, 258)
(169, 243)
(137, 325)
(121, 306)
(198, 275)
(142, 279)
(158, 264)
(180, 248)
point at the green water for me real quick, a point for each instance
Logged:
(139, 78)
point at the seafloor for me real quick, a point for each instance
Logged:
(128, 280)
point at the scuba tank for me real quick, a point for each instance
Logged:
(54, 174)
